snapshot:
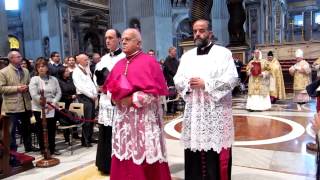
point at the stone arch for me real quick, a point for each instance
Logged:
(91, 43)
(93, 12)
(182, 31)
(178, 20)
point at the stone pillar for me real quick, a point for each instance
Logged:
(307, 25)
(155, 21)
(220, 18)
(32, 29)
(163, 23)
(4, 45)
(235, 24)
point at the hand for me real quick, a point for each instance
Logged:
(49, 107)
(126, 102)
(43, 101)
(94, 99)
(73, 96)
(22, 88)
(99, 89)
(196, 83)
(316, 123)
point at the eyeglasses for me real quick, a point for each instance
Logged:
(127, 39)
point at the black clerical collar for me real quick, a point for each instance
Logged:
(116, 52)
(204, 50)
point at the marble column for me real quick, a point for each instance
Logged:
(220, 18)
(307, 25)
(32, 29)
(4, 45)
(163, 23)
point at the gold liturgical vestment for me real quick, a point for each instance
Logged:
(259, 85)
(300, 79)
(278, 89)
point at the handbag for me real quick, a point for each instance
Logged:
(312, 88)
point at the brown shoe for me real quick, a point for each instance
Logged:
(312, 147)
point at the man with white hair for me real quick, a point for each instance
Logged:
(259, 73)
(301, 72)
(136, 83)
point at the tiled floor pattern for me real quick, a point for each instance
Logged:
(285, 159)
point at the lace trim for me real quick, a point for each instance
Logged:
(107, 112)
(138, 133)
(207, 125)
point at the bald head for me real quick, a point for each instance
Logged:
(131, 41)
(203, 22)
(134, 33)
(83, 60)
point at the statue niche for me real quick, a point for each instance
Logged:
(236, 21)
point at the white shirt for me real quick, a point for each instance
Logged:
(108, 62)
(83, 82)
(106, 110)
(207, 122)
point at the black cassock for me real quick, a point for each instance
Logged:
(103, 158)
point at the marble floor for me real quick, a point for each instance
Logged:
(269, 145)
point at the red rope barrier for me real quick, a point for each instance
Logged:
(71, 117)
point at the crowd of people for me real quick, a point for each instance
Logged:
(127, 87)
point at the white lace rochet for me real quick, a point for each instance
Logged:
(138, 132)
(207, 121)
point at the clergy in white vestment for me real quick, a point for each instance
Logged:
(301, 73)
(259, 83)
(205, 79)
(106, 110)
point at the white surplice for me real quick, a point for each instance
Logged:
(106, 110)
(207, 121)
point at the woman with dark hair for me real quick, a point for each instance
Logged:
(71, 62)
(68, 91)
(26, 64)
(50, 86)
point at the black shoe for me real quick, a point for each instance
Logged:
(56, 152)
(86, 144)
(94, 141)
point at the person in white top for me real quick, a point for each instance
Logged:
(86, 94)
(106, 109)
(205, 79)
